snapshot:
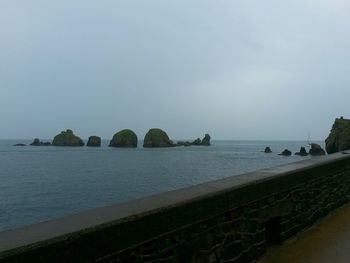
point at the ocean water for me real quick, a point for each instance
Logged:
(42, 183)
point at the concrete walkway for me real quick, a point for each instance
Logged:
(328, 241)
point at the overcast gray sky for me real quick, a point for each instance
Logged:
(235, 69)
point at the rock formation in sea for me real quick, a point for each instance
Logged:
(302, 152)
(67, 138)
(124, 138)
(182, 143)
(339, 137)
(37, 142)
(206, 140)
(19, 144)
(197, 142)
(157, 138)
(286, 152)
(267, 150)
(94, 141)
(316, 150)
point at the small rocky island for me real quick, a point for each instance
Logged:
(197, 142)
(67, 138)
(302, 152)
(37, 142)
(339, 137)
(20, 144)
(157, 138)
(316, 150)
(267, 150)
(206, 140)
(94, 141)
(286, 152)
(124, 138)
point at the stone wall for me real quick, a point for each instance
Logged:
(229, 220)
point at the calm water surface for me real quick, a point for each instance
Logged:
(41, 183)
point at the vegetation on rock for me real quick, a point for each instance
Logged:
(94, 141)
(124, 138)
(339, 137)
(67, 138)
(157, 138)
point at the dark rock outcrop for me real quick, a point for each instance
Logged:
(267, 150)
(19, 144)
(286, 152)
(316, 150)
(67, 138)
(197, 142)
(339, 137)
(181, 143)
(94, 141)
(157, 138)
(37, 142)
(302, 152)
(206, 140)
(124, 138)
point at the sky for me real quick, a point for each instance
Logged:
(241, 70)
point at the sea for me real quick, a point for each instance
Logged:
(39, 183)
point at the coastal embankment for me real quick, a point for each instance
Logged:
(233, 219)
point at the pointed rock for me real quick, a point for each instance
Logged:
(316, 150)
(302, 152)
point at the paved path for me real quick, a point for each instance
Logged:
(326, 242)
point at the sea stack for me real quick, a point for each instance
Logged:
(286, 152)
(206, 140)
(67, 138)
(302, 152)
(157, 138)
(267, 150)
(316, 150)
(94, 141)
(37, 142)
(339, 137)
(124, 138)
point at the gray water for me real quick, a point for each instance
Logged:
(41, 183)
